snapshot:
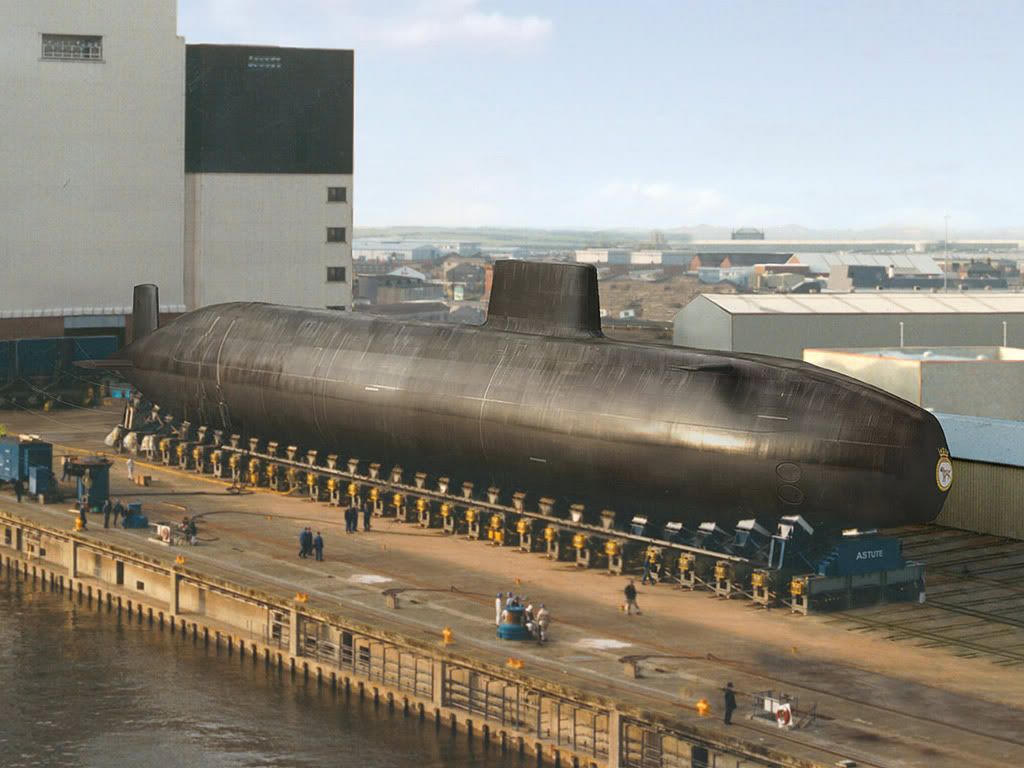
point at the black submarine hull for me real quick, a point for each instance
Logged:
(538, 401)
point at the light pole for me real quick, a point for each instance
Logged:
(945, 256)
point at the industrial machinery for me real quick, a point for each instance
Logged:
(40, 372)
(537, 398)
(862, 568)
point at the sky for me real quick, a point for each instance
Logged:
(652, 114)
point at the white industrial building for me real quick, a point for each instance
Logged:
(971, 381)
(96, 196)
(988, 475)
(786, 325)
(92, 157)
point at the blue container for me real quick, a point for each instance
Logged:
(18, 456)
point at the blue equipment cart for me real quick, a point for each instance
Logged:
(513, 627)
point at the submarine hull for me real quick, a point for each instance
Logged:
(670, 433)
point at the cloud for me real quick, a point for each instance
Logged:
(448, 22)
(358, 23)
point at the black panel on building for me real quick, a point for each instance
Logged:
(257, 109)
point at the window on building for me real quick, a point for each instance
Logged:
(335, 234)
(336, 307)
(335, 274)
(337, 194)
(73, 47)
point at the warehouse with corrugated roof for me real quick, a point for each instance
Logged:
(786, 325)
(988, 475)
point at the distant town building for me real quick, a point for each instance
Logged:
(730, 259)
(401, 285)
(470, 276)
(785, 326)
(383, 249)
(645, 257)
(747, 233)
(824, 263)
(603, 256)
(507, 252)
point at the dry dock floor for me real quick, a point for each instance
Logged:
(879, 703)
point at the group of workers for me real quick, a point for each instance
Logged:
(112, 509)
(109, 509)
(352, 518)
(536, 621)
(310, 544)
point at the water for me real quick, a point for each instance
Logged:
(84, 687)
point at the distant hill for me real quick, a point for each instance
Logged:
(571, 238)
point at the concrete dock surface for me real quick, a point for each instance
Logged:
(877, 702)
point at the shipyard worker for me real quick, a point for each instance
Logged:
(499, 603)
(543, 620)
(65, 468)
(18, 490)
(367, 514)
(131, 468)
(730, 703)
(650, 561)
(82, 506)
(119, 512)
(107, 508)
(318, 546)
(630, 594)
(302, 543)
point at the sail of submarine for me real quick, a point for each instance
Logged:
(538, 400)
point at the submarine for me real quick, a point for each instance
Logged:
(538, 400)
